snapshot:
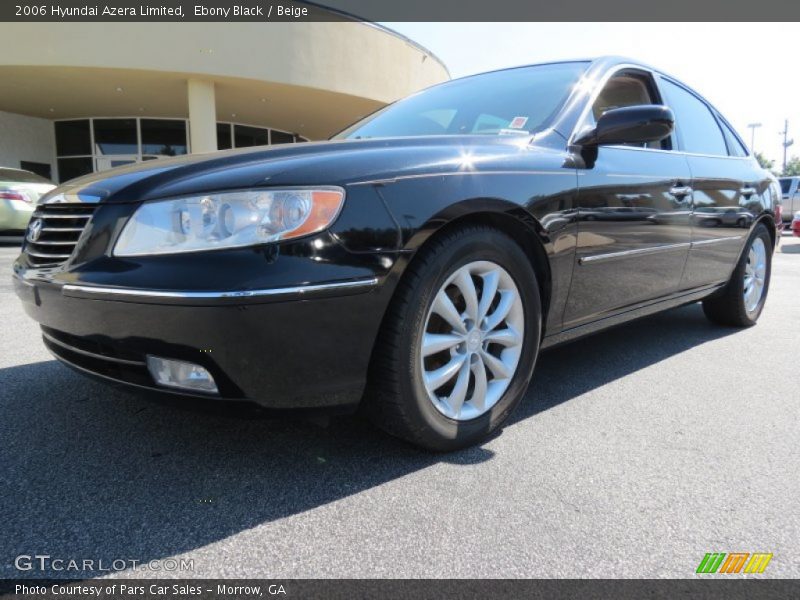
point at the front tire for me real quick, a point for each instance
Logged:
(459, 342)
(741, 301)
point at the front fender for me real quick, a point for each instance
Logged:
(541, 205)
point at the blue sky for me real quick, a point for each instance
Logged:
(745, 69)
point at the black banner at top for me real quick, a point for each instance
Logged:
(399, 10)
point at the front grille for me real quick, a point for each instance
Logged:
(62, 225)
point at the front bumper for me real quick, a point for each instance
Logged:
(299, 346)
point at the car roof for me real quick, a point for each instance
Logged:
(597, 63)
(607, 61)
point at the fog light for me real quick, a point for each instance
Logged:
(180, 374)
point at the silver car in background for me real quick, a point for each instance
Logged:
(19, 192)
(790, 197)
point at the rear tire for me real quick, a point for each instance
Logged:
(489, 342)
(740, 303)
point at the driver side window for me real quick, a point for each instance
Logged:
(628, 88)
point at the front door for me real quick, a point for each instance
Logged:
(634, 206)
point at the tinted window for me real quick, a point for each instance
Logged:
(250, 136)
(42, 170)
(163, 137)
(523, 100)
(279, 137)
(735, 147)
(694, 121)
(786, 185)
(70, 168)
(72, 138)
(115, 136)
(223, 136)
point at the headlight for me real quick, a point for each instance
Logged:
(227, 220)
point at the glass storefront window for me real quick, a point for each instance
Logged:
(245, 136)
(120, 141)
(115, 136)
(280, 137)
(163, 137)
(70, 168)
(73, 138)
(224, 136)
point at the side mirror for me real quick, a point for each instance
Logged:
(629, 125)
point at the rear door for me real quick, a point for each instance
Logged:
(727, 187)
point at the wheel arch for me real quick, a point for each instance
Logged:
(509, 218)
(768, 219)
(505, 217)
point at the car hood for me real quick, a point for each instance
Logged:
(339, 162)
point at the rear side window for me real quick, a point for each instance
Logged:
(786, 185)
(694, 121)
(735, 147)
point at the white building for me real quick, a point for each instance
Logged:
(83, 97)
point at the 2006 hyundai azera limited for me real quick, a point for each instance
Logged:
(415, 264)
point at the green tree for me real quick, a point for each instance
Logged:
(764, 161)
(792, 167)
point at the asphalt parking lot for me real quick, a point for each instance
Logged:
(636, 452)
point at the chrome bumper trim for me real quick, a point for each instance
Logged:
(140, 293)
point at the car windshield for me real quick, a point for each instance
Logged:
(514, 101)
(21, 176)
(786, 184)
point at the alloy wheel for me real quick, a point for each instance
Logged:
(755, 272)
(472, 341)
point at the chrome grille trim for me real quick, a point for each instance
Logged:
(62, 226)
(46, 255)
(39, 215)
(55, 243)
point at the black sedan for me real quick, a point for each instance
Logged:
(414, 265)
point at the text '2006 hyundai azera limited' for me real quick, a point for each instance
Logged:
(417, 263)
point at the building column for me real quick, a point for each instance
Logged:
(202, 116)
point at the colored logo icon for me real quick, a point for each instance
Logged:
(735, 562)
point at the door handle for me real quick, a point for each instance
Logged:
(748, 191)
(680, 191)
